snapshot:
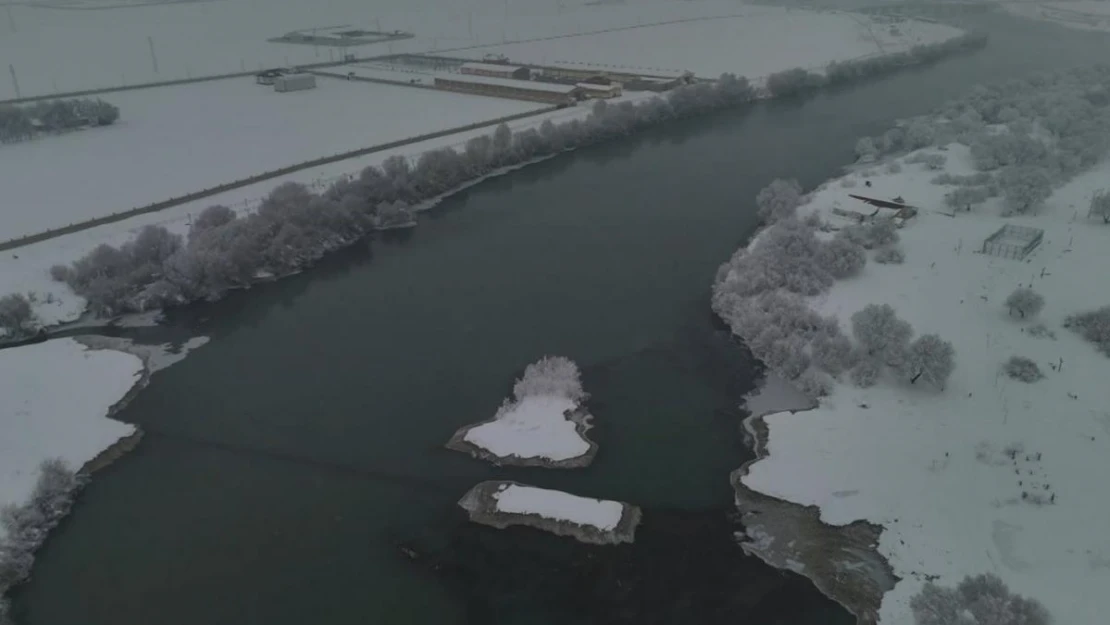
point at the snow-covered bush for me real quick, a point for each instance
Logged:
(966, 197)
(980, 600)
(550, 375)
(212, 217)
(881, 334)
(866, 373)
(26, 526)
(1023, 369)
(842, 258)
(784, 257)
(875, 233)
(392, 215)
(972, 180)
(833, 354)
(1025, 301)
(919, 134)
(1025, 187)
(779, 200)
(1093, 326)
(16, 316)
(890, 255)
(793, 81)
(1100, 206)
(19, 123)
(931, 358)
(866, 150)
(894, 167)
(931, 161)
(848, 183)
(1040, 331)
(813, 384)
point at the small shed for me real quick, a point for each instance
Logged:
(267, 77)
(495, 70)
(590, 91)
(294, 82)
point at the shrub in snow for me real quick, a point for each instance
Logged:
(919, 134)
(787, 356)
(1022, 369)
(979, 600)
(880, 332)
(550, 375)
(865, 373)
(890, 255)
(779, 200)
(866, 150)
(1039, 331)
(848, 183)
(813, 220)
(1093, 326)
(793, 81)
(1025, 301)
(212, 217)
(16, 316)
(784, 257)
(977, 179)
(26, 526)
(931, 358)
(832, 354)
(392, 215)
(813, 384)
(931, 161)
(1100, 206)
(841, 258)
(1025, 187)
(894, 167)
(994, 150)
(876, 233)
(966, 197)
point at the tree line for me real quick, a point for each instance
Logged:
(294, 227)
(20, 123)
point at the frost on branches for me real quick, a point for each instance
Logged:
(1025, 301)
(1093, 326)
(550, 375)
(779, 200)
(979, 600)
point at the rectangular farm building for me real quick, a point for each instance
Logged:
(591, 91)
(494, 70)
(294, 82)
(529, 90)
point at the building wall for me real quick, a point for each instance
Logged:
(516, 93)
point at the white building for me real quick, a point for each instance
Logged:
(294, 82)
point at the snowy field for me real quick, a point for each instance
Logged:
(992, 474)
(1086, 15)
(174, 140)
(761, 41)
(56, 395)
(601, 514)
(535, 427)
(206, 38)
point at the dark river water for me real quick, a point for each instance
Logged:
(286, 461)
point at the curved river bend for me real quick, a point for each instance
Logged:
(285, 461)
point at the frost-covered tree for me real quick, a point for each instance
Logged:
(212, 217)
(1100, 205)
(977, 600)
(880, 332)
(890, 255)
(550, 375)
(16, 315)
(813, 384)
(1023, 369)
(866, 372)
(1025, 187)
(1093, 326)
(779, 200)
(1025, 301)
(832, 354)
(931, 358)
(393, 215)
(919, 134)
(894, 167)
(876, 233)
(842, 258)
(793, 81)
(866, 150)
(964, 198)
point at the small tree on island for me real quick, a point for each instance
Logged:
(1100, 206)
(1026, 301)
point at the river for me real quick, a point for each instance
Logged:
(286, 461)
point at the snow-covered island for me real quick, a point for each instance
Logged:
(598, 521)
(959, 474)
(54, 428)
(544, 424)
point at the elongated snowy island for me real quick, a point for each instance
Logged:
(599, 521)
(543, 424)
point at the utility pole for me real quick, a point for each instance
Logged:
(153, 57)
(15, 81)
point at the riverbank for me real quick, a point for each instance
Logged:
(966, 474)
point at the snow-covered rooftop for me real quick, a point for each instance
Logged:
(491, 67)
(602, 514)
(532, 85)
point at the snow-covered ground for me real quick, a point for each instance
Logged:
(758, 41)
(1085, 15)
(535, 427)
(601, 514)
(205, 38)
(932, 467)
(175, 140)
(56, 396)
